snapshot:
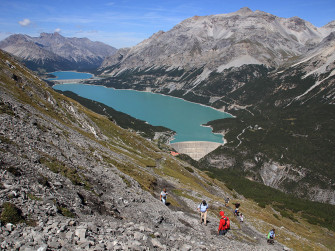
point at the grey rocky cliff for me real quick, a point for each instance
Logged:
(277, 176)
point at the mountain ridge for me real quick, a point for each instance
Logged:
(216, 40)
(54, 52)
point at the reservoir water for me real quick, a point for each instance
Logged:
(70, 75)
(179, 115)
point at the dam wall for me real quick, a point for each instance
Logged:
(195, 149)
(67, 81)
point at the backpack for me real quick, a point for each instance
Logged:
(227, 222)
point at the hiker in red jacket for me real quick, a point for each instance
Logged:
(224, 224)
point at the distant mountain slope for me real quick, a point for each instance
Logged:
(275, 74)
(221, 41)
(320, 63)
(55, 52)
(284, 132)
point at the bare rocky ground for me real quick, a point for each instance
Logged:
(132, 220)
(62, 188)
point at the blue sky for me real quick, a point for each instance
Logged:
(124, 23)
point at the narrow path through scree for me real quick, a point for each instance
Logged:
(242, 233)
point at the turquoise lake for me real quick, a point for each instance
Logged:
(70, 75)
(179, 115)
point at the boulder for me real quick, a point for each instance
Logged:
(157, 244)
(186, 247)
(10, 227)
(81, 233)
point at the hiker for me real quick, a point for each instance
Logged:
(224, 225)
(236, 212)
(163, 196)
(226, 201)
(241, 218)
(271, 236)
(202, 208)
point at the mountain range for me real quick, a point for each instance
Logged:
(52, 51)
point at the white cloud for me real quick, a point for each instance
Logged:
(25, 22)
(58, 30)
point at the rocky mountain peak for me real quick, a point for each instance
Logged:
(329, 38)
(157, 34)
(297, 24)
(244, 11)
(330, 25)
(50, 39)
(55, 34)
(17, 38)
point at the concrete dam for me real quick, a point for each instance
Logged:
(195, 149)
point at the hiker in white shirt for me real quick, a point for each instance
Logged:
(163, 196)
(202, 208)
(241, 217)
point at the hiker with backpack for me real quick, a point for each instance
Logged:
(271, 236)
(236, 212)
(224, 224)
(163, 196)
(202, 208)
